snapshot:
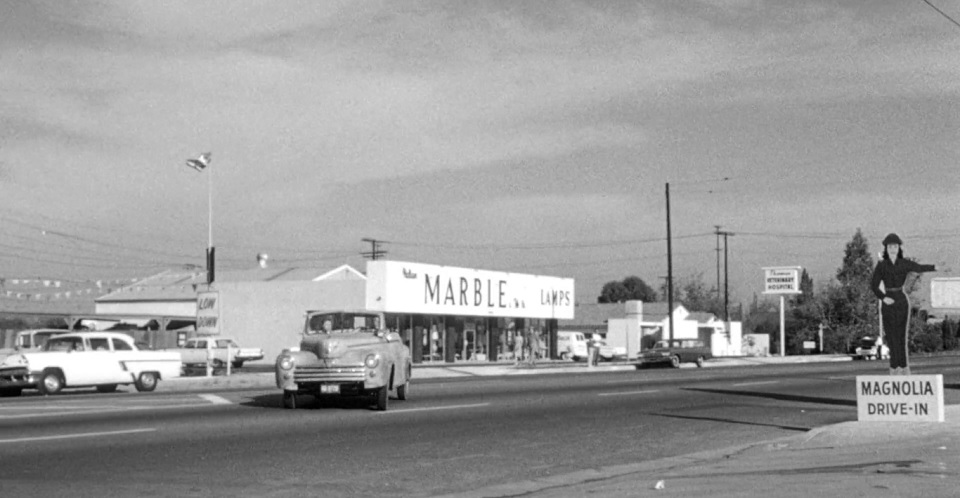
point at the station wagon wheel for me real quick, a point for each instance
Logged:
(675, 361)
(290, 400)
(51, 383)
(564, 356)
(700, 361)
(146, 382)
(382, 398)
(107, 388)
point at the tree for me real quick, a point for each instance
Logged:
(630, 288)
(695, 295)
(850, 308)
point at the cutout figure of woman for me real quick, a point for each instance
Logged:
(892, 271)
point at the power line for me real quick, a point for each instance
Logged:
(942, 13)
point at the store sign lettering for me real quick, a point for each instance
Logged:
(917, 398)
(554, 297)
(463, 292)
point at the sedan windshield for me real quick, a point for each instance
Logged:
(332, 323)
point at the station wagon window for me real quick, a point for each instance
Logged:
(120, 345)
(99, 344)
(200, 345)
(226, 343)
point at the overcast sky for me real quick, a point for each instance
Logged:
(525, 136)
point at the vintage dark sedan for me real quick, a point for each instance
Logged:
(675, 352)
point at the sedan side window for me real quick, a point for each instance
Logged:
(119, 345)
(99, 344)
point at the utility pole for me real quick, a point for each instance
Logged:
(669, 268)
(717, 232)
(375, 251)
(726, 278)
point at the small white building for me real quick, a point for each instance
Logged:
(636, 326)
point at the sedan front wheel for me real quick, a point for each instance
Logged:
(675, 361)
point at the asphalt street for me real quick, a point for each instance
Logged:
(453, 435)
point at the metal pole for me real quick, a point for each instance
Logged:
(669, 268)
(783, 347)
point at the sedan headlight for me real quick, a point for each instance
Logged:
(286, 363)
(371, 361)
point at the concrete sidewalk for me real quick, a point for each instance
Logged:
(876, 459)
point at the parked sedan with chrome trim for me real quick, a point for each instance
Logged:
(345, 353)
(103, 360)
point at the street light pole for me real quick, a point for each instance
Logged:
(669, 269)
(211, 258)
(200, 164)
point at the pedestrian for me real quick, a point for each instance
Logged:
(892, 272)
(518, 346)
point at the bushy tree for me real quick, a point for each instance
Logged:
(630, 288)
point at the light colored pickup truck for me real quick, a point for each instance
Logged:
(86, 359)
(224, 350)
(30, 340)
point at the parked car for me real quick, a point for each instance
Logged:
(86, 359)
(871, 348)
(572, 345)
(676, 352)
(30, 340)
(345, 353)
(610, 353)
(223, 349)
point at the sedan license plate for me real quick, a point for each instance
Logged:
(330, 389)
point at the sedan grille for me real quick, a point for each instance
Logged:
(342, 373)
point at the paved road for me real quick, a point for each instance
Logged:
(452, 436)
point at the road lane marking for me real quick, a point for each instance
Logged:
(432, 408)
(628, 393)
(104, 410)
(216, 400)
(757, 383)
(75, 436)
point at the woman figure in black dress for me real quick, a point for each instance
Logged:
(892, 271)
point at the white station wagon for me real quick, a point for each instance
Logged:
(86, 359)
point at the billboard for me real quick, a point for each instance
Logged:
(781, 280)
(402, 287)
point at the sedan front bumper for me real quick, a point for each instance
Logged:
(18, 377)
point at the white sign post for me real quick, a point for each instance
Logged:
(782, 280)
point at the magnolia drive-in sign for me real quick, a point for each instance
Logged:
(900, 398)
(400, 287)
(781, 280)
(208, 313)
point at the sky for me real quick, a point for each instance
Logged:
(533, 137)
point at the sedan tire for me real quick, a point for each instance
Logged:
(147, 381)
(675, 361)
(382, 398)
(290, 401)
(50, 383)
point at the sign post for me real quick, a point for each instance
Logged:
(782, 280)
